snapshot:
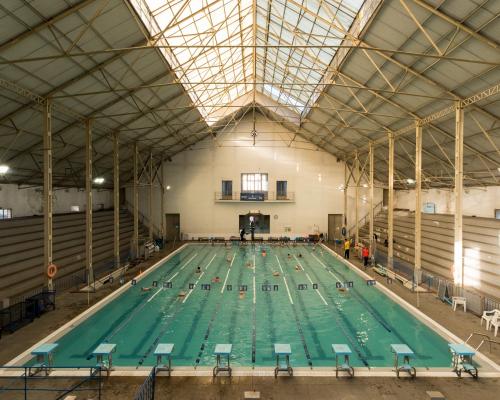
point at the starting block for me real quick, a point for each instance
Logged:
(44, 358)
(164, 349)
(222, 350)
(402, 350)
(102, 351)
(462, 359)
(282, 365)
(345, 351)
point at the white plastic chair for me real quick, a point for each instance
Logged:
(488, 316)
(495, 321)
(456, 300)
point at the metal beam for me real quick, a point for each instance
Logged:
(458, 263)
(52, 20)
(390, 205)
(116, 198)
(88, 210)
(457, 24)
(47, 189)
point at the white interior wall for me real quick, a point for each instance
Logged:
(477, 201)
(195, 175)
(28, 202)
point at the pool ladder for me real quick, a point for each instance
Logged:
(487, 339)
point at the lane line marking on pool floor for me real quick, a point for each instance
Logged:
(172, 277)
(310, 280)
(227, 275)
(194, 286)
(254, 289)
(197, 280)
(325, 267)
(286, 284)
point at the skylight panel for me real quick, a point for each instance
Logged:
(208, 43)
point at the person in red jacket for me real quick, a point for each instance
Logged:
(365, 253)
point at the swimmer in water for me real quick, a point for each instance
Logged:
(216, 280)
(242, 294)
(146, 289)
(298, 268)
(276, 273)
(198, 270)
(289, 256)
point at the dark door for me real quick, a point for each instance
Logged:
(334, 226)
(172, 227)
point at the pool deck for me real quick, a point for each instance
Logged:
(72, 304)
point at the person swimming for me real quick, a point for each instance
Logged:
(298, 268)
(276, 273)
(289, 256)
(198, 269)
(216, 280)
(146, 289)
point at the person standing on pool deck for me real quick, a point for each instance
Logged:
(365, 253)
(347, 247)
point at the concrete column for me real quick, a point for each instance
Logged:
(150, 214)
(390, 205)
(47, 190)
(418, 203)
(88, 209)
(357, 180)
(135, 203)
(346, 176)
(162, 189)
(458, 264)
(116, 199)
(372, 178)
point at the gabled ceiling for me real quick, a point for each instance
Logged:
(224, 49)
(166, 74)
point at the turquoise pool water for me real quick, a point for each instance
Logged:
(274, 309)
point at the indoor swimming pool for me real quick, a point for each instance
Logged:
(302, 295)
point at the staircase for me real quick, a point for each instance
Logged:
(480, 242)
(21, 244)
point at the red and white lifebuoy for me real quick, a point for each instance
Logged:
(51, 270)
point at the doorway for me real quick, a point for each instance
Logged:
(172, 227)
(334, 227)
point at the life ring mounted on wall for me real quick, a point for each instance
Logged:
(51, 270)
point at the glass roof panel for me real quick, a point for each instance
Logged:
(209, 45)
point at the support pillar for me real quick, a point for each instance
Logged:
(346, 174)
(88, 209)
(116, 198)
(47, 190)
(357, 180)
(136, 204)
(162, 189)
(372, 216)
(458, 264)
(390, 205)
(418, 203)
(150, 214)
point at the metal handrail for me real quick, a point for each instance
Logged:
(144, 219)
(363, 220)
(488, 339)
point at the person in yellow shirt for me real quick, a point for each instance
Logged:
(347, 247)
